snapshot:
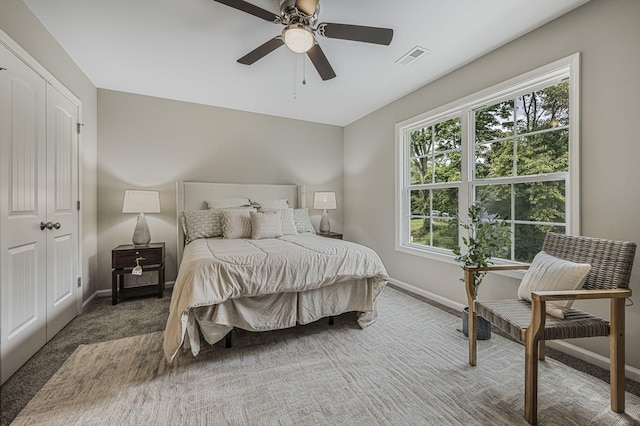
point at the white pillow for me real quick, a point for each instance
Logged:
(550, 273)
(265, 225)
(272, 204)
(302, 221)
(286, 220)
(225, 203)
(201, 224)
(236, 223)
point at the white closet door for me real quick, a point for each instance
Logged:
(62, 213)
(23, 202)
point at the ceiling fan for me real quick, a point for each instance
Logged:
(300, 19)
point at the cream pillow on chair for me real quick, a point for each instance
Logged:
(548, 273)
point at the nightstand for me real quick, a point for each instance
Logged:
(123, 260)
(333, 235)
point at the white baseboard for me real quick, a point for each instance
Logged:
(567, 348)
(107, 293)
(421, 292)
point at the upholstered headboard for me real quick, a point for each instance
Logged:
(193, 196)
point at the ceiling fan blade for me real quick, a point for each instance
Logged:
(261, 51)
(308, 7)
(321, 62)
(251, 9)
(357, 33)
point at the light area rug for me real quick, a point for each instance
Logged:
(409, 368)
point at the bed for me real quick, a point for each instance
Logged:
(279, 275)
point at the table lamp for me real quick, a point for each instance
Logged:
(324, 201)
(141, 202)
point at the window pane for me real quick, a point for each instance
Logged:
(497, 199)
(445, 202)
(448, 135)
(420, 233)
(421, 171)
(494, 160)
(421, 142)
(543, 109)
(541, 201)
(494, 122)
(529, 239)
(445, 233)
(543, 153)
(447, 167)
(420, 203)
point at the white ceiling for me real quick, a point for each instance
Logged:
(187, 49)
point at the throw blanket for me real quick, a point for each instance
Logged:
(216, 270)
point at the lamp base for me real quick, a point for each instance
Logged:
(325, 226)
(141, 235)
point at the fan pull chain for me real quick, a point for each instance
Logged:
(304, 69)
(295, 86)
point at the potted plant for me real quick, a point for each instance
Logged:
(487, 236)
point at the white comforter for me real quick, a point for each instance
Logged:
(216, 270)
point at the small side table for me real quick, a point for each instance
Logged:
(333, 235)
(123, 260)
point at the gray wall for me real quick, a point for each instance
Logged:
(22, 26)
(606, 32)
(149, 143)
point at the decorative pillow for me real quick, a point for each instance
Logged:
(286, 220)
(225, 203)
(550, 273)
(302, 221)
(271, 204)
(265, 225)
(236, 223)
(201, 224)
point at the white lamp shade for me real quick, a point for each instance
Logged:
(324, 200)
(141, 202)
(298, 38)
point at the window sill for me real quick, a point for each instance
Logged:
(445, 256)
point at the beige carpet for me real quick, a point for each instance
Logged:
(409, 368)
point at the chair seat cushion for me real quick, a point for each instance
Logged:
(514, 316)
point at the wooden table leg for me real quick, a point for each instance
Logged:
(114, 287)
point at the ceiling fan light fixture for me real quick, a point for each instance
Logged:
(298, 38)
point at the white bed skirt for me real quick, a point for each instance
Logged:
(283, 310)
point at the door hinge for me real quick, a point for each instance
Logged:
(79, 126)
(79, 282)
(78, 205)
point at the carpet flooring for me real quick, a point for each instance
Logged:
(410, 367)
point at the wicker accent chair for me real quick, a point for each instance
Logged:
(611, 263)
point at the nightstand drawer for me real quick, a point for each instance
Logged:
(334, 235)
(125, 256)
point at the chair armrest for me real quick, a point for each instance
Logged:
(472, 268)
(614, 293)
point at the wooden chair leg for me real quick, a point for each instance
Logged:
(542, 350)
(473, 336)
(472, 327)
(531, 381)
(531, 346)
(616, 355)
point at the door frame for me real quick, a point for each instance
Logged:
(32, 63)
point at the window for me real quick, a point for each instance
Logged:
(514, 145)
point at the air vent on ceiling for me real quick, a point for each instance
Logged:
(412, 56)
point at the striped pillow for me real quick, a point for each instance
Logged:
(265, 225)
(550, 273)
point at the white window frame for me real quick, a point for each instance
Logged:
(464, 108)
